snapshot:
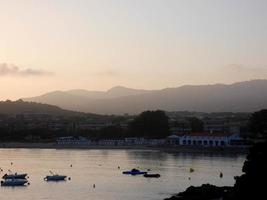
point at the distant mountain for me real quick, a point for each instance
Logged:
(238, 97)
(115, 92)
(18, 107)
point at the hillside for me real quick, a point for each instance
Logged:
(246, 96)
(16, 107)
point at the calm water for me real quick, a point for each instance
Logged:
(100, 167)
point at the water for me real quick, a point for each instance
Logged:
(100, 167)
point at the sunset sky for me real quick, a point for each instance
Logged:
(48, 45)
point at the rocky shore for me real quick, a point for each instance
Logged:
(204, 192)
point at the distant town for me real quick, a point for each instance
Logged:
(150, 128)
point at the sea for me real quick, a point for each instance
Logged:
(97, 174)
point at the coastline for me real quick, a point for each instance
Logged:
(170, 149)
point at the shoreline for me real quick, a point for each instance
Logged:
(170, 149)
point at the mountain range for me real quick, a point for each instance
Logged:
(245, 96)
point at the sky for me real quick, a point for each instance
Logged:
(150, 44)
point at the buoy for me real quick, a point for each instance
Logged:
(118, 167)
(11, 163)
(71, 165)
(189, 178)
(221, 174)
(94, 186)
(191, 170)
(69, 178)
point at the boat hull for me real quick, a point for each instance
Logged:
(55, 178)
(152, 175)
(14, 182)
(134, 173)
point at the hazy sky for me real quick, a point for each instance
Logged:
(50, 45)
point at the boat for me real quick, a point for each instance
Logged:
(14, 182)
(152, 175)
(55, 177)
(134, 172)
(15, 176)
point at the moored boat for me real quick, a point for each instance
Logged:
(152, 175)
(55, 177)
(15, 176)
(14, 182)
(134, 172)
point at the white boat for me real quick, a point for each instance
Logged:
(14, 182)
(55, 177)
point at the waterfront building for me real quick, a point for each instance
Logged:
(203, 139)
(173, 140)
(70, 140)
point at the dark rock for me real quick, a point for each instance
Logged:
(204, 192)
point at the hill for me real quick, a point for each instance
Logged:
(245, 96)
(17, 107)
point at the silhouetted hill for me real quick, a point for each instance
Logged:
(115, 92)
(17, 107)
(246, 96)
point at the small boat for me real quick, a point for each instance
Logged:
(15, 176)
(55, 177)
(134, 172)
(14, 182)
(152, 175)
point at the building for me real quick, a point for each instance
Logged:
(203, 139)
(70, 140)
(173, 140)
(208, 139)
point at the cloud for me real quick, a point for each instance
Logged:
(13, 70)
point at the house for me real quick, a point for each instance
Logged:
(203, 139)
(173, 140)
(70, 140)
(208, 139)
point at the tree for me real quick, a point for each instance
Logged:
(150, 124)
(196, 124)
(258, 123)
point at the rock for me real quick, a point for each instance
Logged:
(204, 192)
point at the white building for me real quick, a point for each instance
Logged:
(173, 140)
(111, 142)
(70, 140)
(203, 139)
